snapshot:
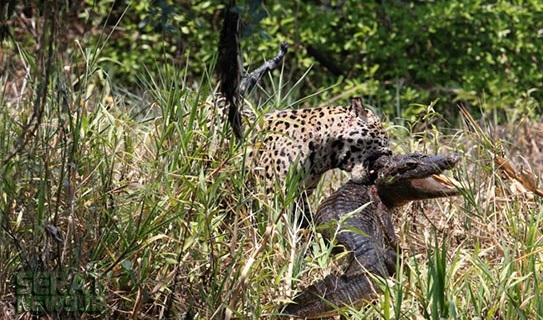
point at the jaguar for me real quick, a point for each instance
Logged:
(315, 140)
(311, 140)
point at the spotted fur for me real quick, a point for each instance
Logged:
(317, 140)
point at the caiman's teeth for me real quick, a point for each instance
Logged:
(446, 181)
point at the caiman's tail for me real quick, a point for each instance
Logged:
(233, 85)
(229, 66)
(322, 298)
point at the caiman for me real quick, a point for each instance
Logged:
(359, 216)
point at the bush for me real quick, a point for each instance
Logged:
(483, 55)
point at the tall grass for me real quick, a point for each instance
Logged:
(143, 193)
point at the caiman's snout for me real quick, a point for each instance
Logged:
(404, 178)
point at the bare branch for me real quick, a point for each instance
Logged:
(250, 80)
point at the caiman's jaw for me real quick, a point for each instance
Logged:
(415, 176)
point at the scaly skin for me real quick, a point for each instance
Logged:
(373, 248)
(369, 232)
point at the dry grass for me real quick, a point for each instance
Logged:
(133, 191)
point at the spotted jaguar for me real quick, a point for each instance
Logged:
(315, 140)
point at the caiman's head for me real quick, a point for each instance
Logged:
(415, 176)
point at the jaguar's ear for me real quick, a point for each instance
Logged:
(358, 108)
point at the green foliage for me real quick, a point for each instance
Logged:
(480, 54)
(422, 50)
(135, 188)
(437, 276)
